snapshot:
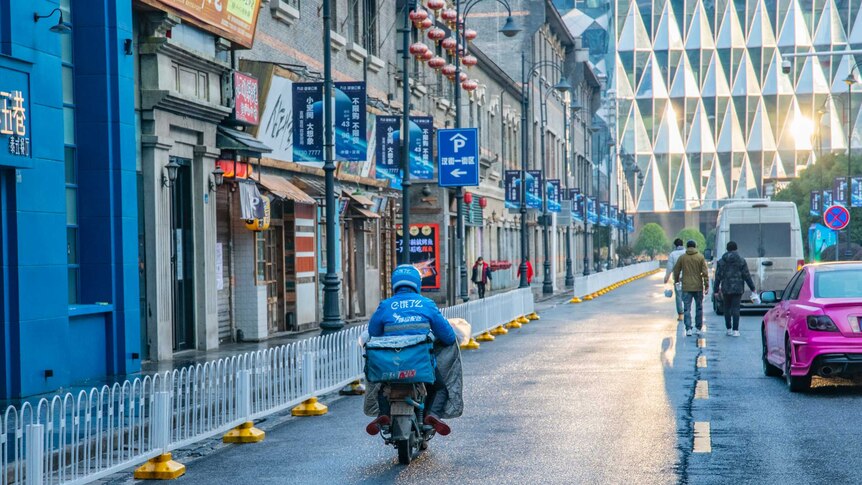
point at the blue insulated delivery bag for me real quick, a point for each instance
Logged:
(401, 358)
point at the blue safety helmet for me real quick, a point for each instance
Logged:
(406, 275)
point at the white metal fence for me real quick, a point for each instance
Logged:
(78, 438)
(488, 313)
(585, 285)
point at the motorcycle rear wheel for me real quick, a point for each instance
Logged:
(405, 451)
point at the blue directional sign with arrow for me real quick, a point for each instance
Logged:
(458, 157)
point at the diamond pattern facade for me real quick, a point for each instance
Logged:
(703, 104)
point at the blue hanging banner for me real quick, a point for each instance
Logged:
(421, 147)
(630, 223)
(388, 150)
(552, 190)
(513, 188)
(592, 215)
(351, 144)
(534, 193)
(603, 214)
(814, 206)
(856, 192)
(577, 206)
(613, 218)
(826, 199)
(307, 122)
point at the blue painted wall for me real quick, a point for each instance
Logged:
(41, 331)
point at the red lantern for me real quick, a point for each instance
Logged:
(469, 61)
(449, 15)
(426, 24)
(469, 85)
(470, 34)
(468, 198)
(449, 44)
(427, 56)
(449, 71)
(418, 49)
(436, 4)
(436, 34)
(418, 15)
(463, 77)
(483, 202)
(436, 62)
(460, 50)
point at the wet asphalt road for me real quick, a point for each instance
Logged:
(600, 392)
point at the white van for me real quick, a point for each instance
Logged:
(769, 238)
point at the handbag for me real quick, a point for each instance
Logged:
(400, 359)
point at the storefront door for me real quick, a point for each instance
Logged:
(275, 306)
(182, 256)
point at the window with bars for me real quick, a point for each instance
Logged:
(371, 32)
(357, 29)
(70, 154)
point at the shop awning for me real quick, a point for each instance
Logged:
(314, 186)
(281, 187)
(240, 141)
(360, 199)
(364, 212)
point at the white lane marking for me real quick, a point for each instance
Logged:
(701, 361)
(702, 442)
(701, 390)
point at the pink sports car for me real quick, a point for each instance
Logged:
(814, 327)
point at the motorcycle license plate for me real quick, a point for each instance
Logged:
(402, 409)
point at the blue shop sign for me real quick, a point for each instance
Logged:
(15, 144)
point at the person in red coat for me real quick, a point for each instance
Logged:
(529, 272)
(481, 275)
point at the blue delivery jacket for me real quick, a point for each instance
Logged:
(408, 313)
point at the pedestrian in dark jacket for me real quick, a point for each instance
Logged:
(481, 275)
(731, 276)
(690, 270)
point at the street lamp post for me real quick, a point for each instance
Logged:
(850, 80)
(561, 86)
(585, 185)
(331, 282)
(574, 107)
(509, 30)
(405, 131)
(611, 159)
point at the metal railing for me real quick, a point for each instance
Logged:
(78, 438)
(488, 313)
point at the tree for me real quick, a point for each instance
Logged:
(652, 240)
(692, 234)
(820, 177)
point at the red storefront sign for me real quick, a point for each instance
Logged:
(245, 96)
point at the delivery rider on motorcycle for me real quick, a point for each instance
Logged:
(409, 313)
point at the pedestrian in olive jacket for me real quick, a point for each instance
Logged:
(731, 276)
(690, 269)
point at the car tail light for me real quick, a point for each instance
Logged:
(821, 323)
(799, 264)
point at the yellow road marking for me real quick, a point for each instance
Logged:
(702, 442)
(701, 342)
(701, 390)
(701, 361)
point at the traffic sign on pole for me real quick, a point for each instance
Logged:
(458, 157)
(836, 217)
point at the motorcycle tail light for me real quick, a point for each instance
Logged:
(799, 264)
(821, 323)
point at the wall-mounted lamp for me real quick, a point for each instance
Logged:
(169, 174)
(62, 27)
(217, 179)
